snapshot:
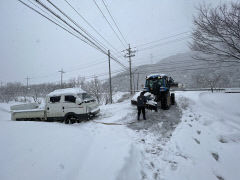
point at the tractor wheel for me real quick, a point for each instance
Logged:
(172, 98)
(166, 102)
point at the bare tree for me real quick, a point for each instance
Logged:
(209, 79)
(94, 87)
(80, 82)
(217, 33)
(35, 91)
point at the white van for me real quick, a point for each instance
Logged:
(66, 105)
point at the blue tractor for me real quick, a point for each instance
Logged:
(157, 90)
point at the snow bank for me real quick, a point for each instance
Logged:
(118, 95)
(201, 148)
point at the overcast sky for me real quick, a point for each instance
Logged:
(32, 46)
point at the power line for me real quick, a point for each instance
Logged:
(96, 45)
(190, 69)
(58, 21)
(103, 51)
(81, 16)
(86, 39)
(76, 24)
(165, 38)
(56, 15)
(47, 13)
(114, 21)
(90, 25)
(51, 21)
(112, 57)
(87, 66)
(144, 58)
(183, 62)
(179, 67)
(168, 42)
(108, 23)
(179, 70)
(92, 45)
(172, 63)
(103, 74)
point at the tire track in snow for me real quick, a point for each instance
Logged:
(153, 134)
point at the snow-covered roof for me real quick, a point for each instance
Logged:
(155, 75)
(66, 91)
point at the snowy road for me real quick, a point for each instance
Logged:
(41, 150)
(197, 139)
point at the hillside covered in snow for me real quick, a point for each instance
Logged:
(184, 69)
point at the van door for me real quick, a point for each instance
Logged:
(70, 106)
(54, 107)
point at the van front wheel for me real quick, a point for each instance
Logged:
(70, 119)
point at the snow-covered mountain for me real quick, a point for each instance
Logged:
(183, 68)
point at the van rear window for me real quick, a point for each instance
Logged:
(55, 99)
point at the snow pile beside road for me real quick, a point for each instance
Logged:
(120, 96)
(206, 144)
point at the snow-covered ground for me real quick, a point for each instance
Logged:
(199, 138)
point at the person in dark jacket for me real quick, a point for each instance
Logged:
(141, 103)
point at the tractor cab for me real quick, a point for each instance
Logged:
(158, 87)
(158, 83)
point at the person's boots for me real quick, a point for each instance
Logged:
(138, 117)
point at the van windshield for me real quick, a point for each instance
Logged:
(86, 96)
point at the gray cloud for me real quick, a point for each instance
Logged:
(32, 46)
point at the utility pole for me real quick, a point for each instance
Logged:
(128, 55)
(61, 71)
(133, 83)
(137, 80)
(27, 78)
(133, 75)
(110, 78)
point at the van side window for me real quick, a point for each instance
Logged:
(55, 99)
(70, 99)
